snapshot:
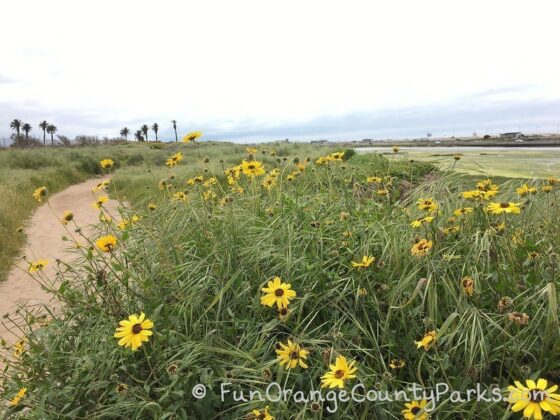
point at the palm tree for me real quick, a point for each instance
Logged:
(51, 129)
(175, 128)
(138, 135)
(43, 126)
(124, 132)
(155, 127)
(144, 130)
(16, 125)
(26, 129)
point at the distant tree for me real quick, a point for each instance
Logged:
(43, 126)
(155, 128)
(26, 128)
(16, 125)
(51, 129)
(138, 135)
(174, 122)
(144, 130)
(124, 133)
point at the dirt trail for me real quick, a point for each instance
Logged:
(44, 241)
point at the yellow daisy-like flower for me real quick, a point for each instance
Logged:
(180, 196)
(19, 348)
(134, 331)
(37, 265)
(366, 262)
(547, 188)
(397, 364)
(421, 248)
(487, 186)
(534, 399)
(152, 206)
(337, 156)
(192, 136)
(40, 193)
(414, 410)
(106, 243)
(100, 201)
(396, 149)
(499, 208)
(467, 283)
(451, 229)
(427, 204)
(340, 372)
(427, 341)
(278, 293)
(478, 195)
(423, 220)
(174, 160)
(19, 396)
(525, 189)
(261, 415)
(107, 163)
(463, 211)
(196, 180)
(251, 150)
(382, 191)
(252, 168)
(68, 216)
(374, 180)
(101, 186)
(291, 355)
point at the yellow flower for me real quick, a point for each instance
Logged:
(106, 163)
(101, 186)
(152, 206)
(269, 182)
(498, 208)
(278, 293)
(382, 191)
(457, 156)
(291, 355)
(196, 180)
(19, 348)
(534, 398)
(40, 193)
(123, 224)
(174, 160)
(68, 216)
(192, 136)
(487, 186)
(413, 410)
(209, 195)
(451, 229)
(462, 211)
(261, 415)
(105, 218)
(423, 220)
(396, 149)
(340, 372)
(547, 188)
(19, 396)
(468, 285)
(37, 265)
(421, 248)
(478, 195)
(337, 156)
(525, 189)
(427, 341)
(397, 364)
(163, 184)
(251, 150)
(134, 331)
(366, 262)
(100, 201)
(106, 243)
(252, 168)
(427, 204)
(180, 196)
(374, 180)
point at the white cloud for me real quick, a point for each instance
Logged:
(220, 65)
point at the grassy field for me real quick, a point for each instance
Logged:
(487, 161)
(402, 275)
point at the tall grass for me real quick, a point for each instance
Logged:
(196, 268)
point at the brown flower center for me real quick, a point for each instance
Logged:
(537, 395)
(136, 328)
(294, 355)
(504, 205)
(339, 374)
(279, 292)
(415, 410)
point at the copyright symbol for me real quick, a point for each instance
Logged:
(199, 391)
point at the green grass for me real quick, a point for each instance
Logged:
(196, 268)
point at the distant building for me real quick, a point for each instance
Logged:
(512, 135)
(318, 141)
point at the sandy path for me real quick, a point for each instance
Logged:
(44, 236)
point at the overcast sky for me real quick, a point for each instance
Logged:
(257, 70)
